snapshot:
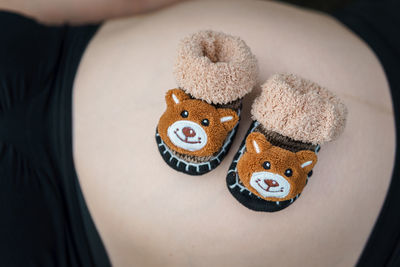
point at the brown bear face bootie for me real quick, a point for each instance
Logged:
(292, 117)
(214, 72)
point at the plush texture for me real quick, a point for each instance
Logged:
(299, 109)
(279, 154)
(273, 177)
(182, 128)
(198, 166)
(246, 197)
(215, 67)
(285, 142)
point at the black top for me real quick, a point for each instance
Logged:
(44, 219)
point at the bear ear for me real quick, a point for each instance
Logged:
(228, 118)
(257, 143)
(175, 96)
(307, 160)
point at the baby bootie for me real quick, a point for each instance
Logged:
(292, 118)
(214, 71)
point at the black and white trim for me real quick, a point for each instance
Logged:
(191, 168)
(242, 194)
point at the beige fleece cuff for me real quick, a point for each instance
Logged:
(215, 67)
(299, 109)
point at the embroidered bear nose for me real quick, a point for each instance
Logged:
(271, 183)
(188, 132)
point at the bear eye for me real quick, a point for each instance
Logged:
(205, 122)
(267, 165)
(289, 172)
(184, 114)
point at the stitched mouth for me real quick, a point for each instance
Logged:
(268, 188)
(186, 139)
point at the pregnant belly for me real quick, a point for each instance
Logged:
(150, 215)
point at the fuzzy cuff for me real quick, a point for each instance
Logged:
(299, 109)
(215, 67)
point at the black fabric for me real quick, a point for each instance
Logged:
(378, 23)
(44, 219)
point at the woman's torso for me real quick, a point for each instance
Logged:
(150, 215)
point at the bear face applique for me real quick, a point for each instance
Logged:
(271, 172)
(194, 127)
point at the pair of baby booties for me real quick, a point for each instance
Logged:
(291, 119)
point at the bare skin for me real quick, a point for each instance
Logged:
(150, 215)
(81, 11)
